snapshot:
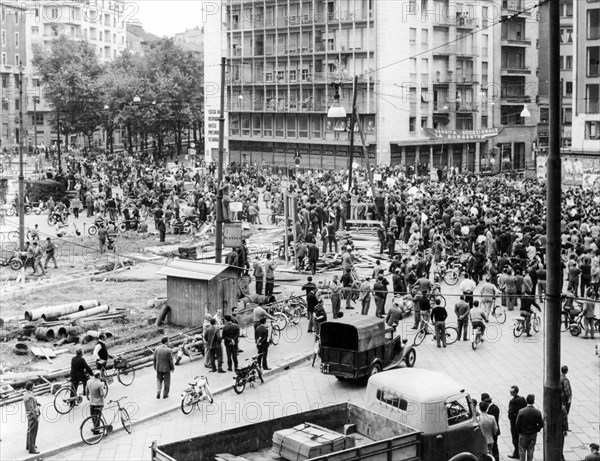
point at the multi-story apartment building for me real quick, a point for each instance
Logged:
(100, 22)
(586, 92)
(192, 40)
(138, 39)
(420, 67)
(516, 83)
(13, 53)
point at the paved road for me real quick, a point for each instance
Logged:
(497, 364)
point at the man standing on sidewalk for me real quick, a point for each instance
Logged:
(259, 275)
(269, 275)
(529, 423)
(212, 339)
(95, 394)
(313, 257)
(32, 409)
(566, 392)
(493, 410)
(231, 335)
(262, 343)
(461, 309)
(439, 316)
(380, 291)
(516, 404)
(163, 364)
(365, 295)
(334, 295)
(50, 253)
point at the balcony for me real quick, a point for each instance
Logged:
(458, 50)
(466, 78)
(441, 107)
(465, 22)
(514, 6)
(443, 79)
(593, 70)
(592, 107)
(514, 98)
(515, 69)
(515, 40)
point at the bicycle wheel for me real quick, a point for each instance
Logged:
(125, 420)
(419, 337)
(187, 403)
(536, 324)
(451, 335)
(62, 401)
(275, 335)
(281, 320)
(474, 343)
(440, 298)
(500, 314)
(105, 384)
(51, 220)
(518, 329)
(239, 385)
(126, 375)
(10, 211)
(93, 429)
(451, 277)
(296, 313)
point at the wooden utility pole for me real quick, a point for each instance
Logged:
(219, 206)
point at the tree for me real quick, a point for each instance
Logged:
(70, 70)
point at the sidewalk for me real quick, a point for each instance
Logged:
(60, 432)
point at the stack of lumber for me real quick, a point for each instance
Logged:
(307, 441)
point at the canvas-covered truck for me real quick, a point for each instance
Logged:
(409, 414)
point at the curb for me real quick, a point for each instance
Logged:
(294, 361)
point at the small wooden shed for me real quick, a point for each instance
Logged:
(195, 289)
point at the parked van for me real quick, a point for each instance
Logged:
(436, 405)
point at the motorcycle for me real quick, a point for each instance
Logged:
(248, 375)
(191, 347)
(14, 261)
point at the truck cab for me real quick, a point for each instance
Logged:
(434, 404)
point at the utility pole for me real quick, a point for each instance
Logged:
(353, 117)
(552, 394)
(219, 214)
(21, 175)
(35, 122)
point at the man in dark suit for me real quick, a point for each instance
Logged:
(493, 410)
(163, 364)
(231, 335)
(516, 404)
(529, 423)
(262, 343)
(80, 371)
(212, 339)
(313, 257)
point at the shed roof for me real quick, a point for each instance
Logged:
(193, 270)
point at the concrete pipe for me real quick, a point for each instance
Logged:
(51, 334)
(40, 333)
(87, 312)
(51, 312)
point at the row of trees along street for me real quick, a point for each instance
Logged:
(152, 97)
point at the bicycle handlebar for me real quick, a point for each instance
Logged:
(117, 401)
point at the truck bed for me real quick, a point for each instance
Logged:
(268, 454)
(377, 438)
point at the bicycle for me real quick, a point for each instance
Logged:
(476, 337)
(94, 428)
(198, 392)
(274, 333)
(519, 324)
(65, 401)
(436, 294)
(451, 334)
(125, 373)
(577, 327)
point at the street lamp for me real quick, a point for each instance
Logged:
(336, 110)
(525, 112)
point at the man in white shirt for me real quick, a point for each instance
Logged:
(467, 286)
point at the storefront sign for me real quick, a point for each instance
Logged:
(462, 135)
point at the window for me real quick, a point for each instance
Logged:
(592, 92)
(568, 88)
(593, 24)
(291, 126)
(568, 115)
(562, 62)
(234, 124)
(279, 126)
(53, 13)
(268, 126)
(293, 74)
(424, 37)
(3, 38)
(458, 411)
(544, 114)
(38, 119)
(305, 75)
(566, 35)
(245, 125)
(412, 122)
(280, 75)
(593, 61)
(35, 30)
(17, 60)
(269, 77)
(256, 126)
(303, 126)
(592, 130)
(16, 17)
(423, 122)
(16, 39)
(316, 127)
(4, 59)
(485, 121)
(391, 399)
(412, 36)
(568, 62)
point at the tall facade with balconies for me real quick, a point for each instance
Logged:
(586, 93)
(13, 53)
(419, 67)
(516, 83)
(101, 22)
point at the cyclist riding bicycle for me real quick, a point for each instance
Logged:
(101, 353)
(526, 302)
(478, 317)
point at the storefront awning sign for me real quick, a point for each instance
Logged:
(464, 135)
